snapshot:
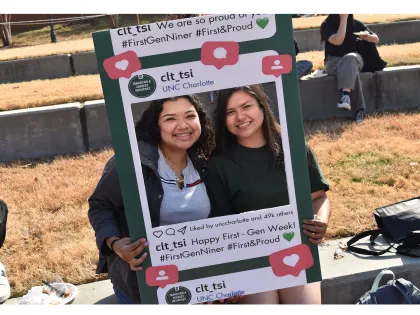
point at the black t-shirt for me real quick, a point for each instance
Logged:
(244, 179)
(349, 43)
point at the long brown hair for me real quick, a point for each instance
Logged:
(271, 128)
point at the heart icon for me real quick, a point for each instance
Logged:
(291, 260)
(288, 236)
(157, 233)
(262, 22)
(122, 64)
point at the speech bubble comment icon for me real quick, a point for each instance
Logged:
(291, 261)
(277, 65)
(170, 231)
(219, 54)
(122, 65)
(161, 276)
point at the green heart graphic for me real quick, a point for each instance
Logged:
(288, 236)
(262, 22)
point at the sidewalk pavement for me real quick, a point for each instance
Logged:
(351, 275)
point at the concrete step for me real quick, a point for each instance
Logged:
(75, 128)
(344, 280)
(65, 65)
(348, 278)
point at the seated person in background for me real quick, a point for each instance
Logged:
(342, 59)
(303, 67)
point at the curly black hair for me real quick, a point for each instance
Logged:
(147, 128)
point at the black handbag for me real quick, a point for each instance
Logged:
(371, 58)
(3, 220)
(399, 223)
(400, 291)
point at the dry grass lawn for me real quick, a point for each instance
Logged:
(88, 87)
(77, 40)
(368, 165)
(49, 92)
(62, 47)
(48, 231)
(315, 21)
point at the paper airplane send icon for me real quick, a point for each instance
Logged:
(182, 230)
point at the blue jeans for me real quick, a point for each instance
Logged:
(122, 298)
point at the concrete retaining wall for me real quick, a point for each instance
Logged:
(319, 97)
(344, 280)
(49, 67)
(84, 63)
(40, 132)
(389, 33)
(348, 278)
(98, 133)
(348, 289)
(74, 128)
(398, 88)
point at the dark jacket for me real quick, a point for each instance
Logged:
(107, 214)
(372, 61)
(297, 50)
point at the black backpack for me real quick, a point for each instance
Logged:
(3, 221)
(399, 223)
(398, 291)
(372, 61)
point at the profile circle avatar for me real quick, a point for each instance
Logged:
(178, 295)
(142, 85)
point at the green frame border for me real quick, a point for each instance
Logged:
(282, 43)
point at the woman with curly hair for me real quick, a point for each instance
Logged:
(174, 139)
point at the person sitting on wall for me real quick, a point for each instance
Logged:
(343, 60)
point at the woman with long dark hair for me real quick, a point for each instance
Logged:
(342, 59)
(175, 139)
(246, 173)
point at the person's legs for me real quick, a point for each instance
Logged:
(331, 67)
(4, 284)
(303, 67)
(358, 99)
(269, 297)
(122, 298)
(349, 83)
(348, 70)
(331, 64)
(304, 294)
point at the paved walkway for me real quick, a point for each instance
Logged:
(353, 274)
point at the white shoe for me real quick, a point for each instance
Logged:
(344, 102)
(316, 74)
(4, 285)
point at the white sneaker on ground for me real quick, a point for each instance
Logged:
(344, 102)
(4, 284)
